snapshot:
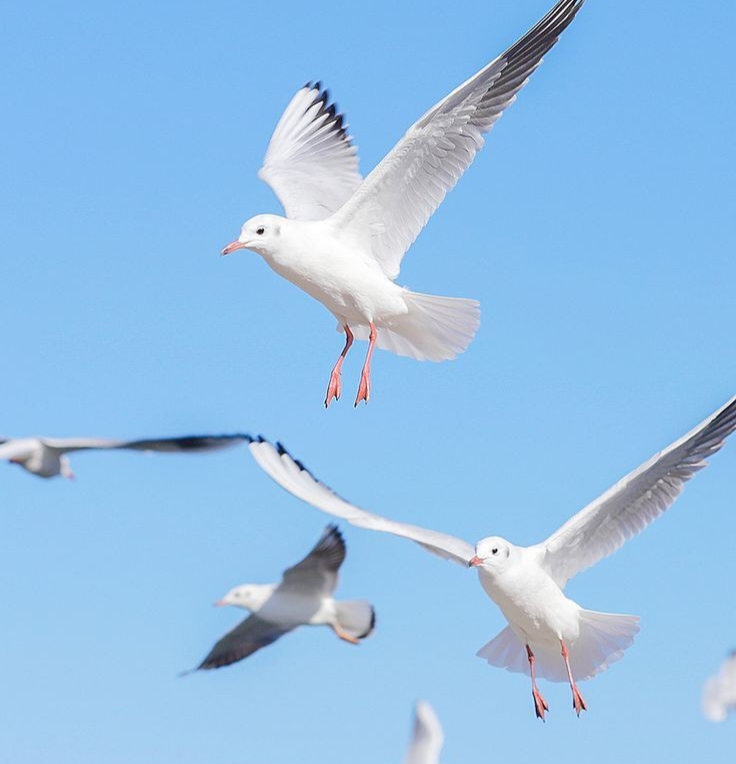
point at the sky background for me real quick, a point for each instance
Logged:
(596, 228)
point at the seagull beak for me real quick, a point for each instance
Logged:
(232, 246)
(219, 603)
(473, 562)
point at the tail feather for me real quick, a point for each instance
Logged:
(356, 618)
(603, 639)
(434, 329)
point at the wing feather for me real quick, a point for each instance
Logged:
(311, 163)
(628, 507)
(397, 199)
(316, 574)
(291, 475)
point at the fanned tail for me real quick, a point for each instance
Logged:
(356, 618)
(434, 329)
(603, 639)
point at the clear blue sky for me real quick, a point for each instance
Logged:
(596, 228)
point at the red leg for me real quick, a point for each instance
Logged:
(577, 699)
(335, 387)
(540, 704)
(364, 391)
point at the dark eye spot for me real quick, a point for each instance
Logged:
(494, 550)
(260, 231)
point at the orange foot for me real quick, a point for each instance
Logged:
(577, 701)
(540, 704)
(334, 388)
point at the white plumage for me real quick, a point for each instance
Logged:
(427, 738)
(719, 692)
(549, 635)
(343, 238)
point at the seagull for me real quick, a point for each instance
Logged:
(343, 237)
(549, 635)
(304, 597)
(46, 457)
(719, 693)
(427, 739)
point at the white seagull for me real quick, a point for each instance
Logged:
(719, 693)
(343, 238)
(46, 457)
(303, 597)
(427, 740)
(527, 582)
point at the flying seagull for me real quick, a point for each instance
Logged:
(46, 457)
(303, 597)
(548, 634)
(719, 693)
(427, 739)
(343, 237)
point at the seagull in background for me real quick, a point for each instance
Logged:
(719, 693)
(428, 737)
(303, 597)
(549, 635)
(343, 237)
(46, 457)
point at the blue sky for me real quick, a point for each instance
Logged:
(596, 228)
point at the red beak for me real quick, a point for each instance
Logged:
(474, 561)
(231, 247)
(219, 603)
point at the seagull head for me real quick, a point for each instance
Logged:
(491, 553)
(258, 234)
(245, 596)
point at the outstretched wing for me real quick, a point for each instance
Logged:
(185, 443)
(316, 574)
(248, 636)
(397, 199)
(636, 500)
(295, 478)
(311, 163)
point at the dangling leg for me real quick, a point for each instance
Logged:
(335, 387)
(364, 391)
(540, 704)
(577, 699)
(344, 635)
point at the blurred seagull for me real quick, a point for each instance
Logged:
(46, 457)
(719, 693)
(304, 597)
(343, 237)
(527, 582)
(427, 739)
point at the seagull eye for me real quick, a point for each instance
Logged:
(494, 550)
(260, 231)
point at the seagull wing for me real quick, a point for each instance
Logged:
(396, 200)
(428, 737)
(311, 163)
(316, 574)
(248, 636)
(17, 448)
(635, 501)
(291, 475)
(185, 443)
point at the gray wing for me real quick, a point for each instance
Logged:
(635, 501)
(250, 635)
(311, 163)
(397, 199)
(181, 444)
(316, 574)
(291, 475)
